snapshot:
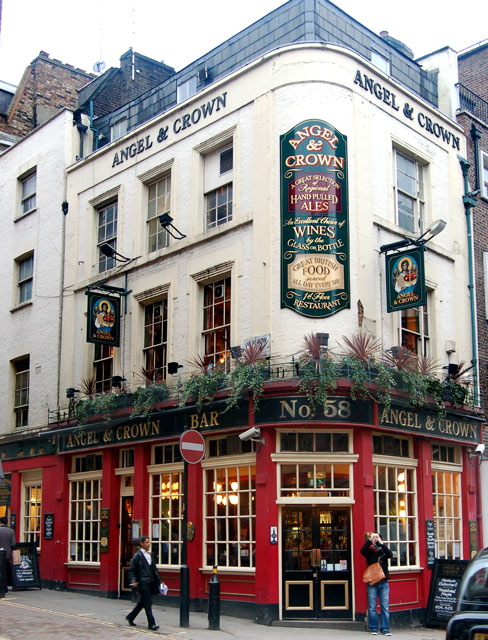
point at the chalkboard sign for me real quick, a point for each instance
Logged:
(430, 535)
(48, 526)
(25, 570)
(444, 584)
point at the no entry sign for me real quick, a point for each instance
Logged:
(192, 446)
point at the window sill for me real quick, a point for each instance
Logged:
(25, 214)
(398, 570)
(85, 565)
(241, 570)
(23, 305)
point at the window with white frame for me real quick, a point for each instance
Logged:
(230, 516)
(158, 203)
(155, 340)
(484, 174)
(107, 234)
(166, 516)
(395, 511)
(186, 89)
(28, 193)
(446, 496)
(218, 186)
(25, 278)
(415, 334)
(103, 364)
(84, 517)
(21, 398)
(380, 61)
(216, 321)
(410, 193)
(31, 524)
(119, 128)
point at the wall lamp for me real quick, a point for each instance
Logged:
(166, 222)
(110, 252)
(323, 338)
(70, 392)
(434, 229)
(117, 381)
(173, 367)
(476, 456)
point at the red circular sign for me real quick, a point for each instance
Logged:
(192, 446)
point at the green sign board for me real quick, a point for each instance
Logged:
(405, 280)
(314, 220)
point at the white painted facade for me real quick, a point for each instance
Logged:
(257, 104)
(30, 329)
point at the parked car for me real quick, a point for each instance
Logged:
(470, 622)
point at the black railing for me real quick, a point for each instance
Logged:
(472, 102)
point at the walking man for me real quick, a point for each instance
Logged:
(144, 578)
(7, 540)
(375, 550)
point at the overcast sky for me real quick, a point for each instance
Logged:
(178, 32)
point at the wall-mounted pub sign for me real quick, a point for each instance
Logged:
(314, 220)
(103, 319)
(405, 280)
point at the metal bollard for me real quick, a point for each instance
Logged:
(214, 601)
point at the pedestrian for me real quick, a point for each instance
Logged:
(144, 579)
(374, 550)
(7, 540)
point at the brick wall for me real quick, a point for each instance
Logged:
(472, 71)
(47, 86)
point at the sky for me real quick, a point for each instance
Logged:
(82, 33)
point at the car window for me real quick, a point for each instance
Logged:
(477, 587)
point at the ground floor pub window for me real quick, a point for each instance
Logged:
(166, 517)
(230, 516)
(84, 519)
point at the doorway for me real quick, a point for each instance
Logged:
(126, 546)
(316, 561)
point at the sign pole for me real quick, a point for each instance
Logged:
(184, 569)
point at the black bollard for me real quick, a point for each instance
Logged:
(214, 602)
(3, 573)
(184, 596)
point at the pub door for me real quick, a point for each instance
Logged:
(316, 562)
(126, 546)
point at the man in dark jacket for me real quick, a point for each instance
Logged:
(144, 577)
(7, 540)
(374, 550)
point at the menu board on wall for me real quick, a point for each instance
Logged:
(314, 220)
(444, 584)
(430, 535)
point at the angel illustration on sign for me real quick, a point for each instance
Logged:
(104, 314)
(405, 274)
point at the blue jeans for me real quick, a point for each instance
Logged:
(379, 590)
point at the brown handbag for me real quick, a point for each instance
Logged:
(373, 574)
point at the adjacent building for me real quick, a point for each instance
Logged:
(284, 191)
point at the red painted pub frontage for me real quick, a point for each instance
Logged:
(282, 512)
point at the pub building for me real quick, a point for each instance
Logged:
(248, 202)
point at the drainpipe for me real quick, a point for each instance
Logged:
(469, 202)
(475, 136)
(64, 209)
(95, 131)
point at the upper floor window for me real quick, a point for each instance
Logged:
(118, 129)
(25, 271)
(28, 196)
(415, 330)
(107, 234)
(216, 320)
(218, 186)
(155, 340)
(380, 61)
(158, 203)
(186, 89)
(103, 364)
(410, 196)
(484, 174)
(21, 399)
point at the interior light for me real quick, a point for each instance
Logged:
(234, 485)
(233, 498)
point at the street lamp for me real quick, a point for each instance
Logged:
(434, 229)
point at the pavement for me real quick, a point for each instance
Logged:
(63, 615)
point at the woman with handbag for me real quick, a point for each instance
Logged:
(376, 576)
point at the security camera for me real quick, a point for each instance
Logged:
(250, 434)
(480, 449)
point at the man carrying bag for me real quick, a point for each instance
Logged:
(144, 578)
(376, 575)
